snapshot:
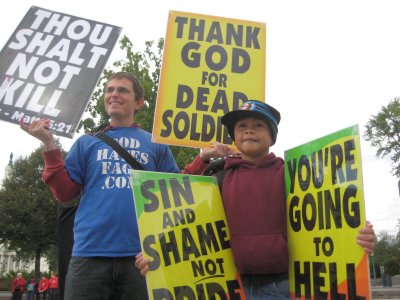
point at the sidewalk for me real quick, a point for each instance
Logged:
(378, 293)
(387, 292)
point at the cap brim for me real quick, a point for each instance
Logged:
(230, 119)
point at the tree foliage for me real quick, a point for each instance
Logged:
(383, 132)
(387, 253)
(146, 65)
(28, 211)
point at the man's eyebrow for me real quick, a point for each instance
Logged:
(121, 88)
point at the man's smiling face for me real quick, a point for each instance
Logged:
(119, 99)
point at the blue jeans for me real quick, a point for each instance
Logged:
(29, 295)
(104, 278)
(264, 287)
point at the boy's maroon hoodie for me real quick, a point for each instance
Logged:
(254, 202)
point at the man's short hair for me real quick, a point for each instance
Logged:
(136, 84)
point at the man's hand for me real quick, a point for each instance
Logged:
(40, 129)
(142, 264)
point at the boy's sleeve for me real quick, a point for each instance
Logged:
(196, 167)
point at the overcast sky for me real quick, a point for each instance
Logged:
(330, 65)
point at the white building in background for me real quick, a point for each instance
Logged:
(9, 262)
(7, 169)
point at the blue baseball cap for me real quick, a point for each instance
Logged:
(254, 109)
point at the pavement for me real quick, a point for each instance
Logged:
(378, 293)
(387, 292)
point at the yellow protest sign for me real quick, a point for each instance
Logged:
(325, 211)
(184, 233)
(211, 65)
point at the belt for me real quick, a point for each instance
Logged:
(267, 278)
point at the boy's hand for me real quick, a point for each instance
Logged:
(142, 264)
(366, 238)
(216, 150)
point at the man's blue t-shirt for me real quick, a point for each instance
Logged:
(105, 223)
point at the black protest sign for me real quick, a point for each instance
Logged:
(50, 66)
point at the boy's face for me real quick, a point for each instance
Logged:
(252, 138)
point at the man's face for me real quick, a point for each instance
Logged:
(252, 138)
(119, 99)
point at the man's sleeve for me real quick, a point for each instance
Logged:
(56, 177)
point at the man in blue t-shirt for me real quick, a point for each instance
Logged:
(106, 238)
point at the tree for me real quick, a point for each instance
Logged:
(383, 132)
(146, 66)
(387, 253)
(28, 211)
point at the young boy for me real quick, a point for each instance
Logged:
(253, 194)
